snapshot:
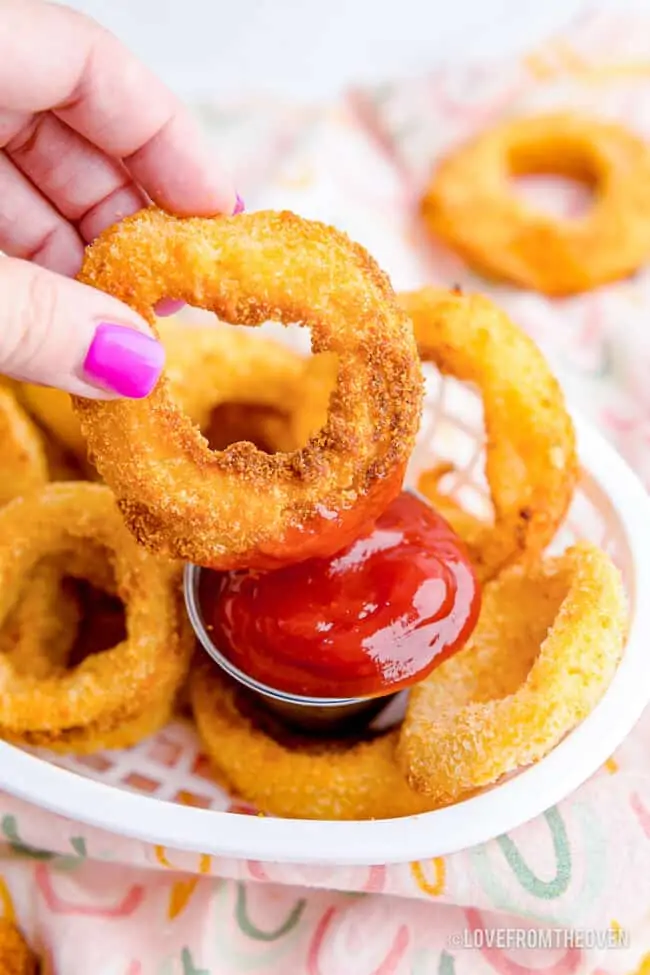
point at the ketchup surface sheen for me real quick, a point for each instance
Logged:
(372, 619)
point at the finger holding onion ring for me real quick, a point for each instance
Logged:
(240, 507)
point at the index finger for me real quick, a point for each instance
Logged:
(52, 57)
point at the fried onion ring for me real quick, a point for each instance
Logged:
(38, 635)
(252, 383)
(471, 206)
(23, 462)
(112, 696)
(241, 507)
(546, 647)
(531, 463)
(307, 779)
(16, 957)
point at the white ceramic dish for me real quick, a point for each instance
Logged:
(141, 792)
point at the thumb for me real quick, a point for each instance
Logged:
(58, 332)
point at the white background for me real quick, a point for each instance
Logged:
(311, 48)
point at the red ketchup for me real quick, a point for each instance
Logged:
(376, 617)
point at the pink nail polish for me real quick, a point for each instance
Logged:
(168, 306)
(124, 360)
(240, 206)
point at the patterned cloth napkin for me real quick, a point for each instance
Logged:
(97, 903)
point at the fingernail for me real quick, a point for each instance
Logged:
(240, 206)
(168, 306)
(124, 360)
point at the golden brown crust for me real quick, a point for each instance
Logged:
(123, 683)
(470, 203)
(241, 506)
(548, 642)
(316, 780)
(531, 462)
(38, 634)
(206, 366)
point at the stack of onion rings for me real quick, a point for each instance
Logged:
(241, 507)
(114, 698)
(531, 462)
(470, 203)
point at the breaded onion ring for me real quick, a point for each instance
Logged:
(547, 644)
(23, 463)
(39, 633)
(16, 957)
(546, 647)
(531, 462)
(241, 507)
(110, 697)
(314, 779)
(234, 385)
(471, 205)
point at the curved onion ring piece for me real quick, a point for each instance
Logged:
(471, 205)
(531, 462)
(546, 647)
(208, 367)
(240, 507)
(307, 779)
(39, 633)
(110, 699)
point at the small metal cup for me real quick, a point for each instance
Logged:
(314, 714)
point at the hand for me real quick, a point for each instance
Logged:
(87, 136)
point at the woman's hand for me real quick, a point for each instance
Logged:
(87, 136)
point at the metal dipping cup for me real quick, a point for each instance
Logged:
(314, 714)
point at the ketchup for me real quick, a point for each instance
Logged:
(376, 617)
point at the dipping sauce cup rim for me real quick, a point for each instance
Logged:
(191, 574)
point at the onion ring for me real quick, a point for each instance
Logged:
(16, 957)
(23, 463)
(547, 644)
(307, 779)
(241, 507)
(52, 410)
(531, 463)
(470, 204)
(37, 636)
(546, 647)
(112, 696)
(252, 382)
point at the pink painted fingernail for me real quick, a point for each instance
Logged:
(168, 306)
(124, 360)
(240, 206)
